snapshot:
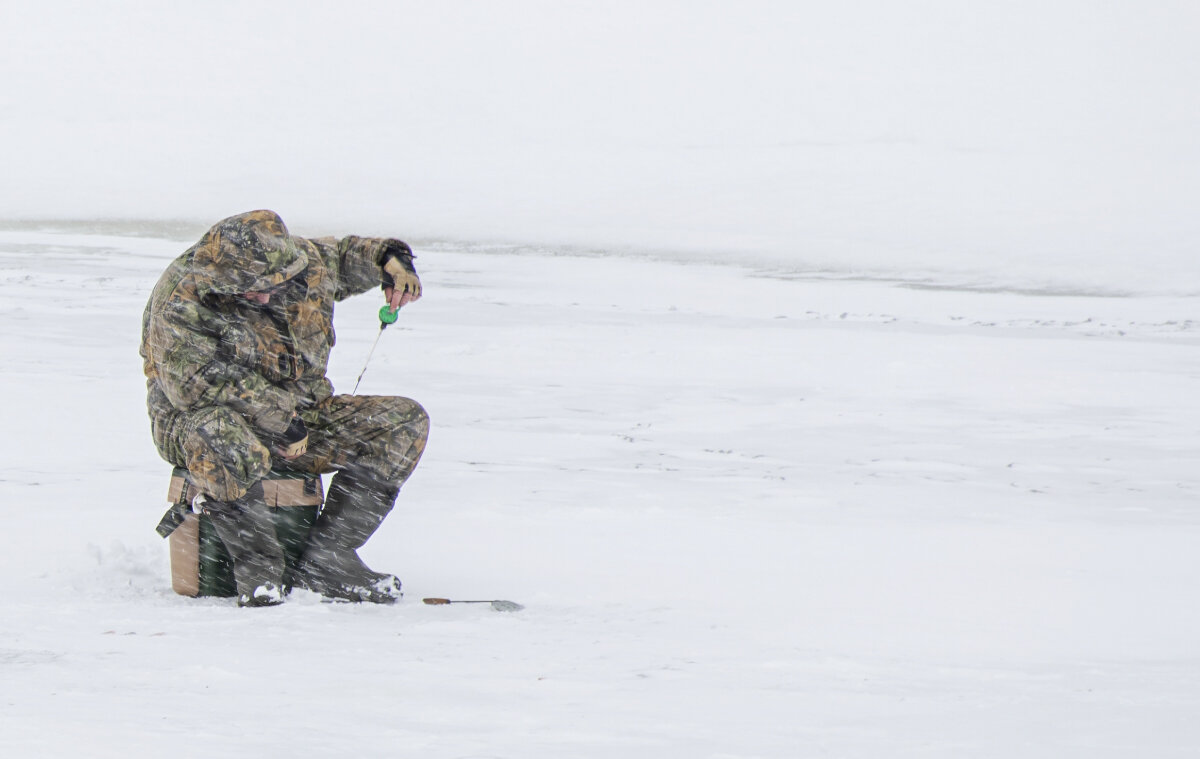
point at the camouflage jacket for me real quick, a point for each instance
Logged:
(204, 345)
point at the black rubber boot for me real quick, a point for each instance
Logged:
(248, 532)
(355, 506)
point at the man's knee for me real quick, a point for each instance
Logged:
(398, 450)
(410, 424)
(395, 419)
(222, 454)
(418, 419)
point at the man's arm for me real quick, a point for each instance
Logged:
(361, 263)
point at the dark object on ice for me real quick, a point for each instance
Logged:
(201, 564)
(496, 605)
(355, 507)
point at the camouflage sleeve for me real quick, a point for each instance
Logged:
(358, 264)
(194, 371)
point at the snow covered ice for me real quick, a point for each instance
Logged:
(822, 380)
(748, 516)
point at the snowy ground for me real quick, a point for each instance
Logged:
(749, 517)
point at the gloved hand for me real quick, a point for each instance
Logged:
(294, 441)
(400, 282)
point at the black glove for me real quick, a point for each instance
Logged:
(394, 248)
(294, 440)
(398, 273)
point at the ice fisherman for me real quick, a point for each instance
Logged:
(235, 343)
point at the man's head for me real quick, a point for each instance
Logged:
(251, 253)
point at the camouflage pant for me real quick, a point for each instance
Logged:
(383, 435)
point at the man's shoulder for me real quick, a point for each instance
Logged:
(325, 249)
(320, 243)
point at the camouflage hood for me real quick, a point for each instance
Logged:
(250, 252)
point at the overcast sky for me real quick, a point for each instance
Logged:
(1056, 136)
